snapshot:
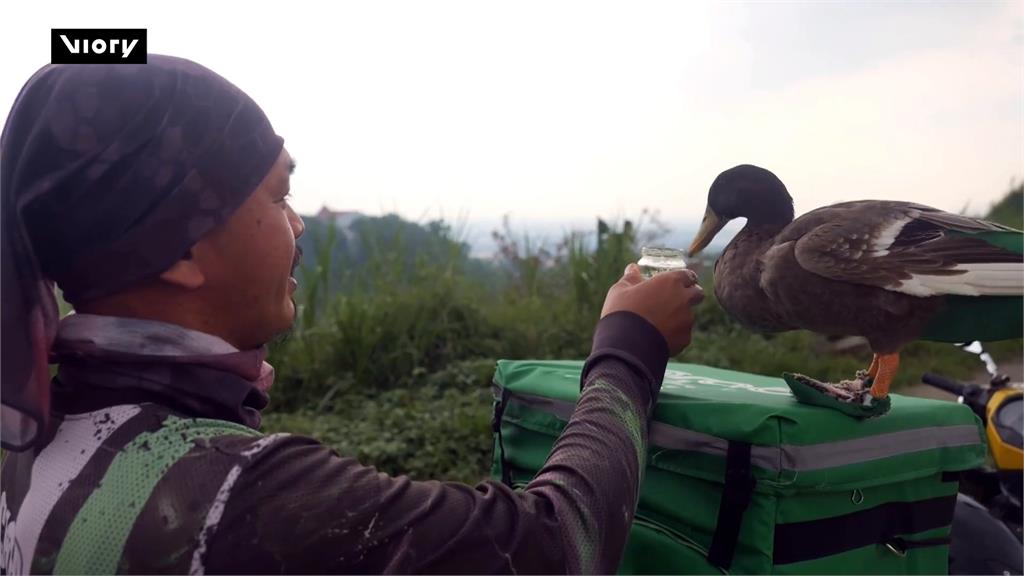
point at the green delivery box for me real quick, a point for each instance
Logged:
(741, 478)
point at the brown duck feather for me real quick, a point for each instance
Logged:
(885, 244)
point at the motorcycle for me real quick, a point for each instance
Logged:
(986, 536)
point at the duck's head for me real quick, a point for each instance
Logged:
(745, 191)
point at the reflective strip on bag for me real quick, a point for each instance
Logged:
(789, 457)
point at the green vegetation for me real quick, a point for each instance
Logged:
(392, 357)
(1010, 210)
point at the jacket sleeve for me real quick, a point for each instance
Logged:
(298, 506)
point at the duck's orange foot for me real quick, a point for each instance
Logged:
(848, 396)
(882, 371)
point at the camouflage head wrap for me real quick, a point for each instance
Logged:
(108, 175)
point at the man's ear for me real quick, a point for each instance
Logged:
(184, 273)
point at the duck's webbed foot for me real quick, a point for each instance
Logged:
(866, 396)
(851, 397)
(845, 390)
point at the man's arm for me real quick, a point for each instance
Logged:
(297, 506)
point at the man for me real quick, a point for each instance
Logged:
(155, 197)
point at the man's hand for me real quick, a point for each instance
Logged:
(666, 301)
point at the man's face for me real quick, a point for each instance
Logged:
(248, 262)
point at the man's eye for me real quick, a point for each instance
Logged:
(285, 197)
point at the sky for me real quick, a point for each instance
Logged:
(558, 112)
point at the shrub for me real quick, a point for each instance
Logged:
(436, 429)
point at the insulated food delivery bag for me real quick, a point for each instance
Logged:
(742, 478)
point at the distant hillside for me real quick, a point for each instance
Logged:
(338, 249)
(339, 246)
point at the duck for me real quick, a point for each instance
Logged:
(890, 271)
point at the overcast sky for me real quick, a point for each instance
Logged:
(562, 111)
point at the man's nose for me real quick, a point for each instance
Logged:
(298, 226)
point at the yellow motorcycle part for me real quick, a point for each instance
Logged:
(1007, 456)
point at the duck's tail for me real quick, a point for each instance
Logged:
(987, 302)
(993, 267)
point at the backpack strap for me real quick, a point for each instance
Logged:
(499, 410)
(736, 495)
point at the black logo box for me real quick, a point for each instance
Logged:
(98, 46)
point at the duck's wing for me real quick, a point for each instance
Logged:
(911, 248)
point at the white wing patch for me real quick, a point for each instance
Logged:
(981, 279)
(880, 245)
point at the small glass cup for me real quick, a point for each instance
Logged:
(655, 260)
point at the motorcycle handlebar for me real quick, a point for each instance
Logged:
(943, 383)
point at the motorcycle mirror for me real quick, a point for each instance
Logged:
(976, 348)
